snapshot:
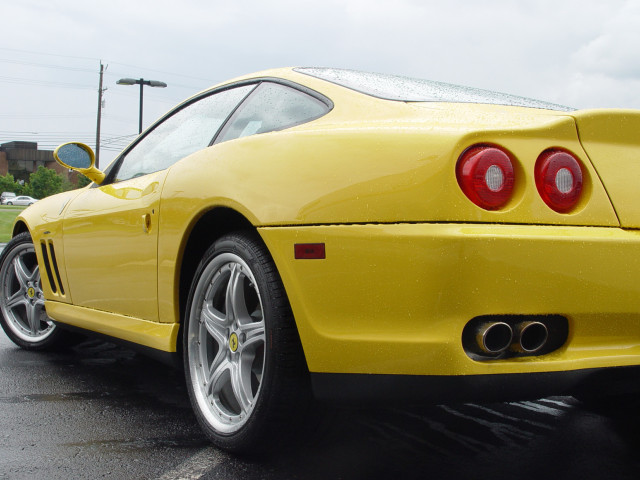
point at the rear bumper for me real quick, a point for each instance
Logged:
(394, 299)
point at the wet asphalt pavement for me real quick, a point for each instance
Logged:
(101, 411)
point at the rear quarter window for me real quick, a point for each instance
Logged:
(270, 107)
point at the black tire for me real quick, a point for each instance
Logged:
(256, 407)
(22, 312)
(9, 203)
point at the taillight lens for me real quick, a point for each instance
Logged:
(485, 175)
(559, 179)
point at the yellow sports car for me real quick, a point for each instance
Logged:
(331, 233)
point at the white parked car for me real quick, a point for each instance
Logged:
(21, 200)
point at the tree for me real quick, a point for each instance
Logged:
(44, 182)
(8, 184)
(83, 181)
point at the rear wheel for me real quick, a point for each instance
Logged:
(24, 318)
(244, 365)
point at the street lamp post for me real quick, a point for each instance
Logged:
(142, 82)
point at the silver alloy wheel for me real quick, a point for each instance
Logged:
(226, 343)
(22, 300)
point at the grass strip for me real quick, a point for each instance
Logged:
(8, 214)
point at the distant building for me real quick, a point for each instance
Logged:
(21, 159)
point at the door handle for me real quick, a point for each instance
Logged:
(146, 223)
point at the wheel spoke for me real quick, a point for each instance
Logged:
(215, 380)
(241, 385)
(229, 301)
(237, 295)
(16, 299)
(214, 324)
(33, 318)
(35, 275)
(213, 369)
(214, 315)
(22, 272)
(254, 333)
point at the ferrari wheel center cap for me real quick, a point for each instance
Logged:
(233, 342)
(31, 292)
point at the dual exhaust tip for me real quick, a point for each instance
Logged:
(526, 337)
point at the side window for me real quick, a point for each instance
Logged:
(186, 131)
(271, 107)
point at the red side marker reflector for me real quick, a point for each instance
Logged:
(306, 251)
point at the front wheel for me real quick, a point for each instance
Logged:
(24, 318)
(245, 370)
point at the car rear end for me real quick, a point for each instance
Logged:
(427, 290)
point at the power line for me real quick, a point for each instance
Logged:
(137, 67)
(171, 84)
(48, 54)
(45, 65)
(163, 72)
(53, 139)
(42, 83)
(86, 70)
(35, 116)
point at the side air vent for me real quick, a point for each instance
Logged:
(51, 267)
(55, 267)
(47, 266)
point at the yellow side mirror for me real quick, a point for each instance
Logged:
(79, 157)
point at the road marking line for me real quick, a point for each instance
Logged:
(196, 466)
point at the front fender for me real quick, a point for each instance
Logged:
(44, 220)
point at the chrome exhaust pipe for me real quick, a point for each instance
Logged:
(493, 338)
(529, 337)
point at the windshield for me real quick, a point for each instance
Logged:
(405, 89)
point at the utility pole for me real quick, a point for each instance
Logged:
(100, 91)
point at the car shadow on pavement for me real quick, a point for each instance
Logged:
(147, 410)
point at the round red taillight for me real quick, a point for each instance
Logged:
(485, 175)
(559, 179)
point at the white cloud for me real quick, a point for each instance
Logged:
(584, 53)
(615, 51)
(605, 70)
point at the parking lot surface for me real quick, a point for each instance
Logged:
(102, 411)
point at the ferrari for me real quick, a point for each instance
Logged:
(310, 234)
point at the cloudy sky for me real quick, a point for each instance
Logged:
(581, 53)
